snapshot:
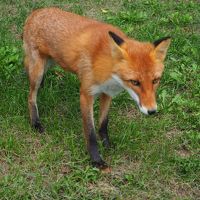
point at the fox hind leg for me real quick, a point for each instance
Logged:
(35, 68)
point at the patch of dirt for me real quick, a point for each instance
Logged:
(114, 6)
(183, 152)
(183, 190)
(4, 168)
(125, 167)
(35, 145)
(95, 11)
(34, 142)
(5, 165)
(65, 169)
(15, 32)
(129, 113)
(173, 133)
(9, 10)
(105, 188)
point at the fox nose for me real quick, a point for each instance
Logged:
(151, 112)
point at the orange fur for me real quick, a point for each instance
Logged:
(84, 47)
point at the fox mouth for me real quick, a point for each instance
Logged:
(142, 108)
(148, 111)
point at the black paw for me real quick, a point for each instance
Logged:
(107, 145)
(38, 127)
(99, 164)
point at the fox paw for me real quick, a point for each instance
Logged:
(102, 166)
(38, 127)
(99, 164)
(107, 144)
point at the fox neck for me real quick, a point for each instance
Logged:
(111, 87)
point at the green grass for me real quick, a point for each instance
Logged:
(154, 157)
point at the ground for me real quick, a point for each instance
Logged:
(155, 157)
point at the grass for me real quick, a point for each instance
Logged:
(154, 158)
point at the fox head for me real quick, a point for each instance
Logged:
(138, 68)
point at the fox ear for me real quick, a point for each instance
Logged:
(161, 47)
(116, 42)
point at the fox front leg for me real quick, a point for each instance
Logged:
(86, 103)
(105, 102)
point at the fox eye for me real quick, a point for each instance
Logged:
(135, 83)
(155, 81)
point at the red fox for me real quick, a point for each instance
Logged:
(105, 60)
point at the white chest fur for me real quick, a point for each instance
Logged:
(110, 87)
